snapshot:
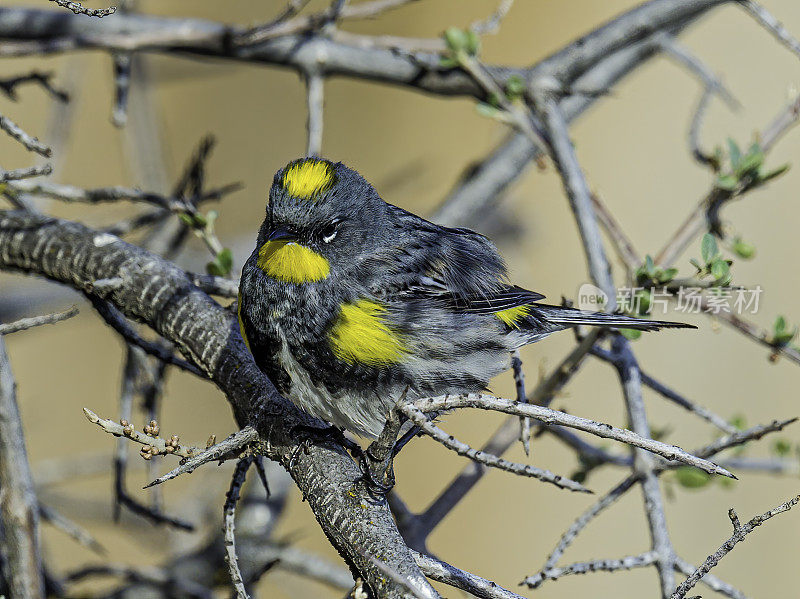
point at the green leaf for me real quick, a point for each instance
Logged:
(743, 249)
(734, 153)
(773, 173)
(200, 220)
(643, 301)
(448, 62)
(631, 334)
(696, 264)
(222, 264)
(515, 87)
(213, 268)
(665, 276)
(225, 259)
(690, 477)
(781, 447)
(472, 43)
(720, 270)
(486, 110)
(649, 265)
(456, 39)
(750, 164)
(738, 421)
(780, 325)
(708, 248)
(727, 182)
(186, 219)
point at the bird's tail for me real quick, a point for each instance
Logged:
(570, 317)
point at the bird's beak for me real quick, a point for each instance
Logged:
(281, 234)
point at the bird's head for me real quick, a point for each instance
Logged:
(321, 216)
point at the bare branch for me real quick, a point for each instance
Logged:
(600, 565)
(440, 571)
(25, 173)
(78, 9)
(548, 416)
(19, 507)
(771, 24)
(31, 143)
(315, 89)
(23, 324)
(519, 383)
(155, 445)
(231, 499)
(229, 447)
(417, 416)
(67, 526)
(739, 534)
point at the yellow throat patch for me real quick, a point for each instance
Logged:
(512, 316)
(292, 262)
(360, 335)
(308, 178)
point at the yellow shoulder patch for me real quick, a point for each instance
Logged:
(241, 323)
(292, 262)
(360, 335)
(306, 179)
(512, 316)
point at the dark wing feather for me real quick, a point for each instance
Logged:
(455, 266)
(511, 297)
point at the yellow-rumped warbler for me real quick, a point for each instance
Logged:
(348, 302)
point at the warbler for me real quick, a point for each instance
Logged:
(347, 302)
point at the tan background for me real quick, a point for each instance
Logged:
(412, 146)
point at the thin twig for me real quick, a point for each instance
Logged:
(769, 22)
(9, 86)
(231, 446)
(23, 324)
(548, 416)
(31, 143)
(229, 510)
(157, 445)
(25, 173)
(440, 571)
(519, 383)
(694, 128)
(601, 565)
(116, 320)
(70, 528)
(739, 534)
(417, 416)
(315, 89)
(619, 239)
(491, 24)
(733, 440)
(78, 9)
(19, 508)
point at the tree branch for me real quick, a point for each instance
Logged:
(160, 294)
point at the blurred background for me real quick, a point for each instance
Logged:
(413, 147)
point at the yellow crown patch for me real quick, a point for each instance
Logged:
(307, 179)
(359, 335)
(292, 262)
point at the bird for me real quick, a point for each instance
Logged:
(349, 303)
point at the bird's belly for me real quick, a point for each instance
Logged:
(361, 412)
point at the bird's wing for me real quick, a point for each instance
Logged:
(455, 266)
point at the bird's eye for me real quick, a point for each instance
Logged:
(328, 234)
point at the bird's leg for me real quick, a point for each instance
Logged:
(377, 462)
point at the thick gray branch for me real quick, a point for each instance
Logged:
(161, 295)
(19, 508)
